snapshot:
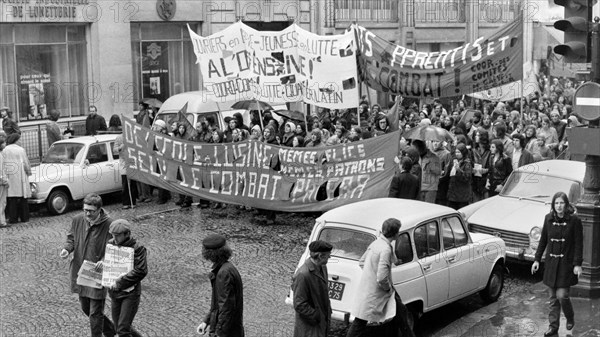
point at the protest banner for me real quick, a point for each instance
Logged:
(262, 175)
(118, 261)
(486, 63)
(241, 63)
(87, 276)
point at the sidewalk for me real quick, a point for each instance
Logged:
(525, 313)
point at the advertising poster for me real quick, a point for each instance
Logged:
(155, 70)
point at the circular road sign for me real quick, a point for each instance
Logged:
(586, 101)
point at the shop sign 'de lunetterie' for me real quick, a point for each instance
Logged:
(42, 10)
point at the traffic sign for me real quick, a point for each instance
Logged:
(586, 102)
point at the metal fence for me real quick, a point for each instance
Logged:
(35, 142)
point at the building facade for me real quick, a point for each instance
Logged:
(69, 54)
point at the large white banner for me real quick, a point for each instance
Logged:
(241, 63)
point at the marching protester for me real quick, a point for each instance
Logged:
(3, 184)
(404, 184)
(431, 169)
(226, 314)
(311, 293)
(86, 240)
(562, 240)
(129, 195)
(18, 171)
(378, 309)
(164, 195)
(460, 173)
(500, 167)
(125, 295)
(520, 155)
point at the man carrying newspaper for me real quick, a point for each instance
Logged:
(87, 239)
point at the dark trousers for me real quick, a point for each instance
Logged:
(559, 299)
(163, 195)
(123, 312)
(99, 323)
(396, 327)
(185, 200)
(128, 195)
(17, 208)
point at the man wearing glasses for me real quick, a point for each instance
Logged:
(94, 122)
(87, 240)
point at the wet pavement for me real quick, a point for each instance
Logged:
(524, 313)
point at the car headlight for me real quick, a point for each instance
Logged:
(34, 188)
(534, 237)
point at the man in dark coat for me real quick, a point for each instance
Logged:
(94, 122)
(405, 185)
(8, 124)
(126, 293)
(87, 240)
(311, 293)
(226, 315)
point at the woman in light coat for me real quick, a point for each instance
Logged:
(18, 171)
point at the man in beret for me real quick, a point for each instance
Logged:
(126, 293)
(87, 239)
(377, 309)
(311, 293)
(226, 315)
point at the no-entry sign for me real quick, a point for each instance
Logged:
(587, 101)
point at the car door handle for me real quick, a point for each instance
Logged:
(426, 267)
(335, 277)
(451, 259)
(110, 165)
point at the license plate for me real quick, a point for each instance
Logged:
(336, 290)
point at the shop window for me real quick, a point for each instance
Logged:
(43, 67)
(164, 63)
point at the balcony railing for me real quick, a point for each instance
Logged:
(366, 10)
(418, 12)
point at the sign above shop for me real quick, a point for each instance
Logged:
(47, 11)
(166, 9)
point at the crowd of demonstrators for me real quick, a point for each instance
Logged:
(491, 140)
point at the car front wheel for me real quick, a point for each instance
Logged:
(494, 286)
(58, 202)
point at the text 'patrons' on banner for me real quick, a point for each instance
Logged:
(486, 63)
(261, 175)
(241, 63)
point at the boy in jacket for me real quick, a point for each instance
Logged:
(126, 293)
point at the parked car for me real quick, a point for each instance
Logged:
(517, 213)
(74, 167)
(439, 261)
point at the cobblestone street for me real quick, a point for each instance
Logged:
(35, 299)
(34, 289)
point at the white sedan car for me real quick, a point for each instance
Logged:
(439, 260)
(74, 167)
(517, 213)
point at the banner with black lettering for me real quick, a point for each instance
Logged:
(487, 63)
(241, 63)
(262, 175)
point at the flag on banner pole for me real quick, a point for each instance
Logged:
(190, 131)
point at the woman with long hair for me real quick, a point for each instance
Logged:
(481, 158)
(459, 170)
(500, 167)
(562, 239)
(531, 143)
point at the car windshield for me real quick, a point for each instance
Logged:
(64, 153)
(539, 187)
(347, 243)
